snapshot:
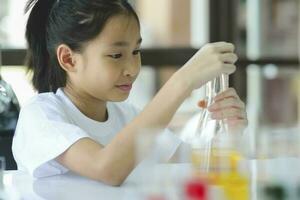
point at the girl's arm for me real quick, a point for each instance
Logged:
(113, 163)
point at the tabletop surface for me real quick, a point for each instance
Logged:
(19, 185)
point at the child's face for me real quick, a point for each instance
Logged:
(109, 64)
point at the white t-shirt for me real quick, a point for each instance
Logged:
(50, 123)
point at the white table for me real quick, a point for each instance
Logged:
(73, 187)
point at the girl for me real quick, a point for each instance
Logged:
(85, 57)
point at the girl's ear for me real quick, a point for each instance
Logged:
(66, 58)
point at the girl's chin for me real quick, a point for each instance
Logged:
(120, 98)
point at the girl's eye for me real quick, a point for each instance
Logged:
(115, 56)
(136, 52)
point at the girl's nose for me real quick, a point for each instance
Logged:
(132, 69)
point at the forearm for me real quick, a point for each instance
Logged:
(120, 152)
(160, 111)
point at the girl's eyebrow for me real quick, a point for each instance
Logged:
(124, 43)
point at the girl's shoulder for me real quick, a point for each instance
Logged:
(43, 105)
(53, 105)
(43, 99)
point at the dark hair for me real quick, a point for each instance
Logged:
(70, 22)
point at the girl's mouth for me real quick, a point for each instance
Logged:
(125, 87)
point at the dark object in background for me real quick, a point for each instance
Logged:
(9, 112)
(9, 107)
(274, 192)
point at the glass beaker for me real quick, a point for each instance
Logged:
(151, 151)
(272, 101)
(221, 164)
(216, 153)
(208, 128)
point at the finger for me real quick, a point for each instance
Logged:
(237, 122)
(229, 58)
(229, 102)
(237, 126)
(229, 113)
(223, 47)
(228, 68)
(230, 92)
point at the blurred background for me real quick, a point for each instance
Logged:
(265, 32)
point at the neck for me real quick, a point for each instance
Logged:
(90, 106)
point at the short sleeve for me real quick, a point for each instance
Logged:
(168, 141)
(168, 144)
(43, 132)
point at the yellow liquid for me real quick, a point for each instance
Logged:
(215, 160)
(236, 186)
(220, 167)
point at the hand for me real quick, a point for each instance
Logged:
(209, 62)
(228, 106)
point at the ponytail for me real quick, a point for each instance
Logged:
(38, 58)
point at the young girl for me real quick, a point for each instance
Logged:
(85, 57)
